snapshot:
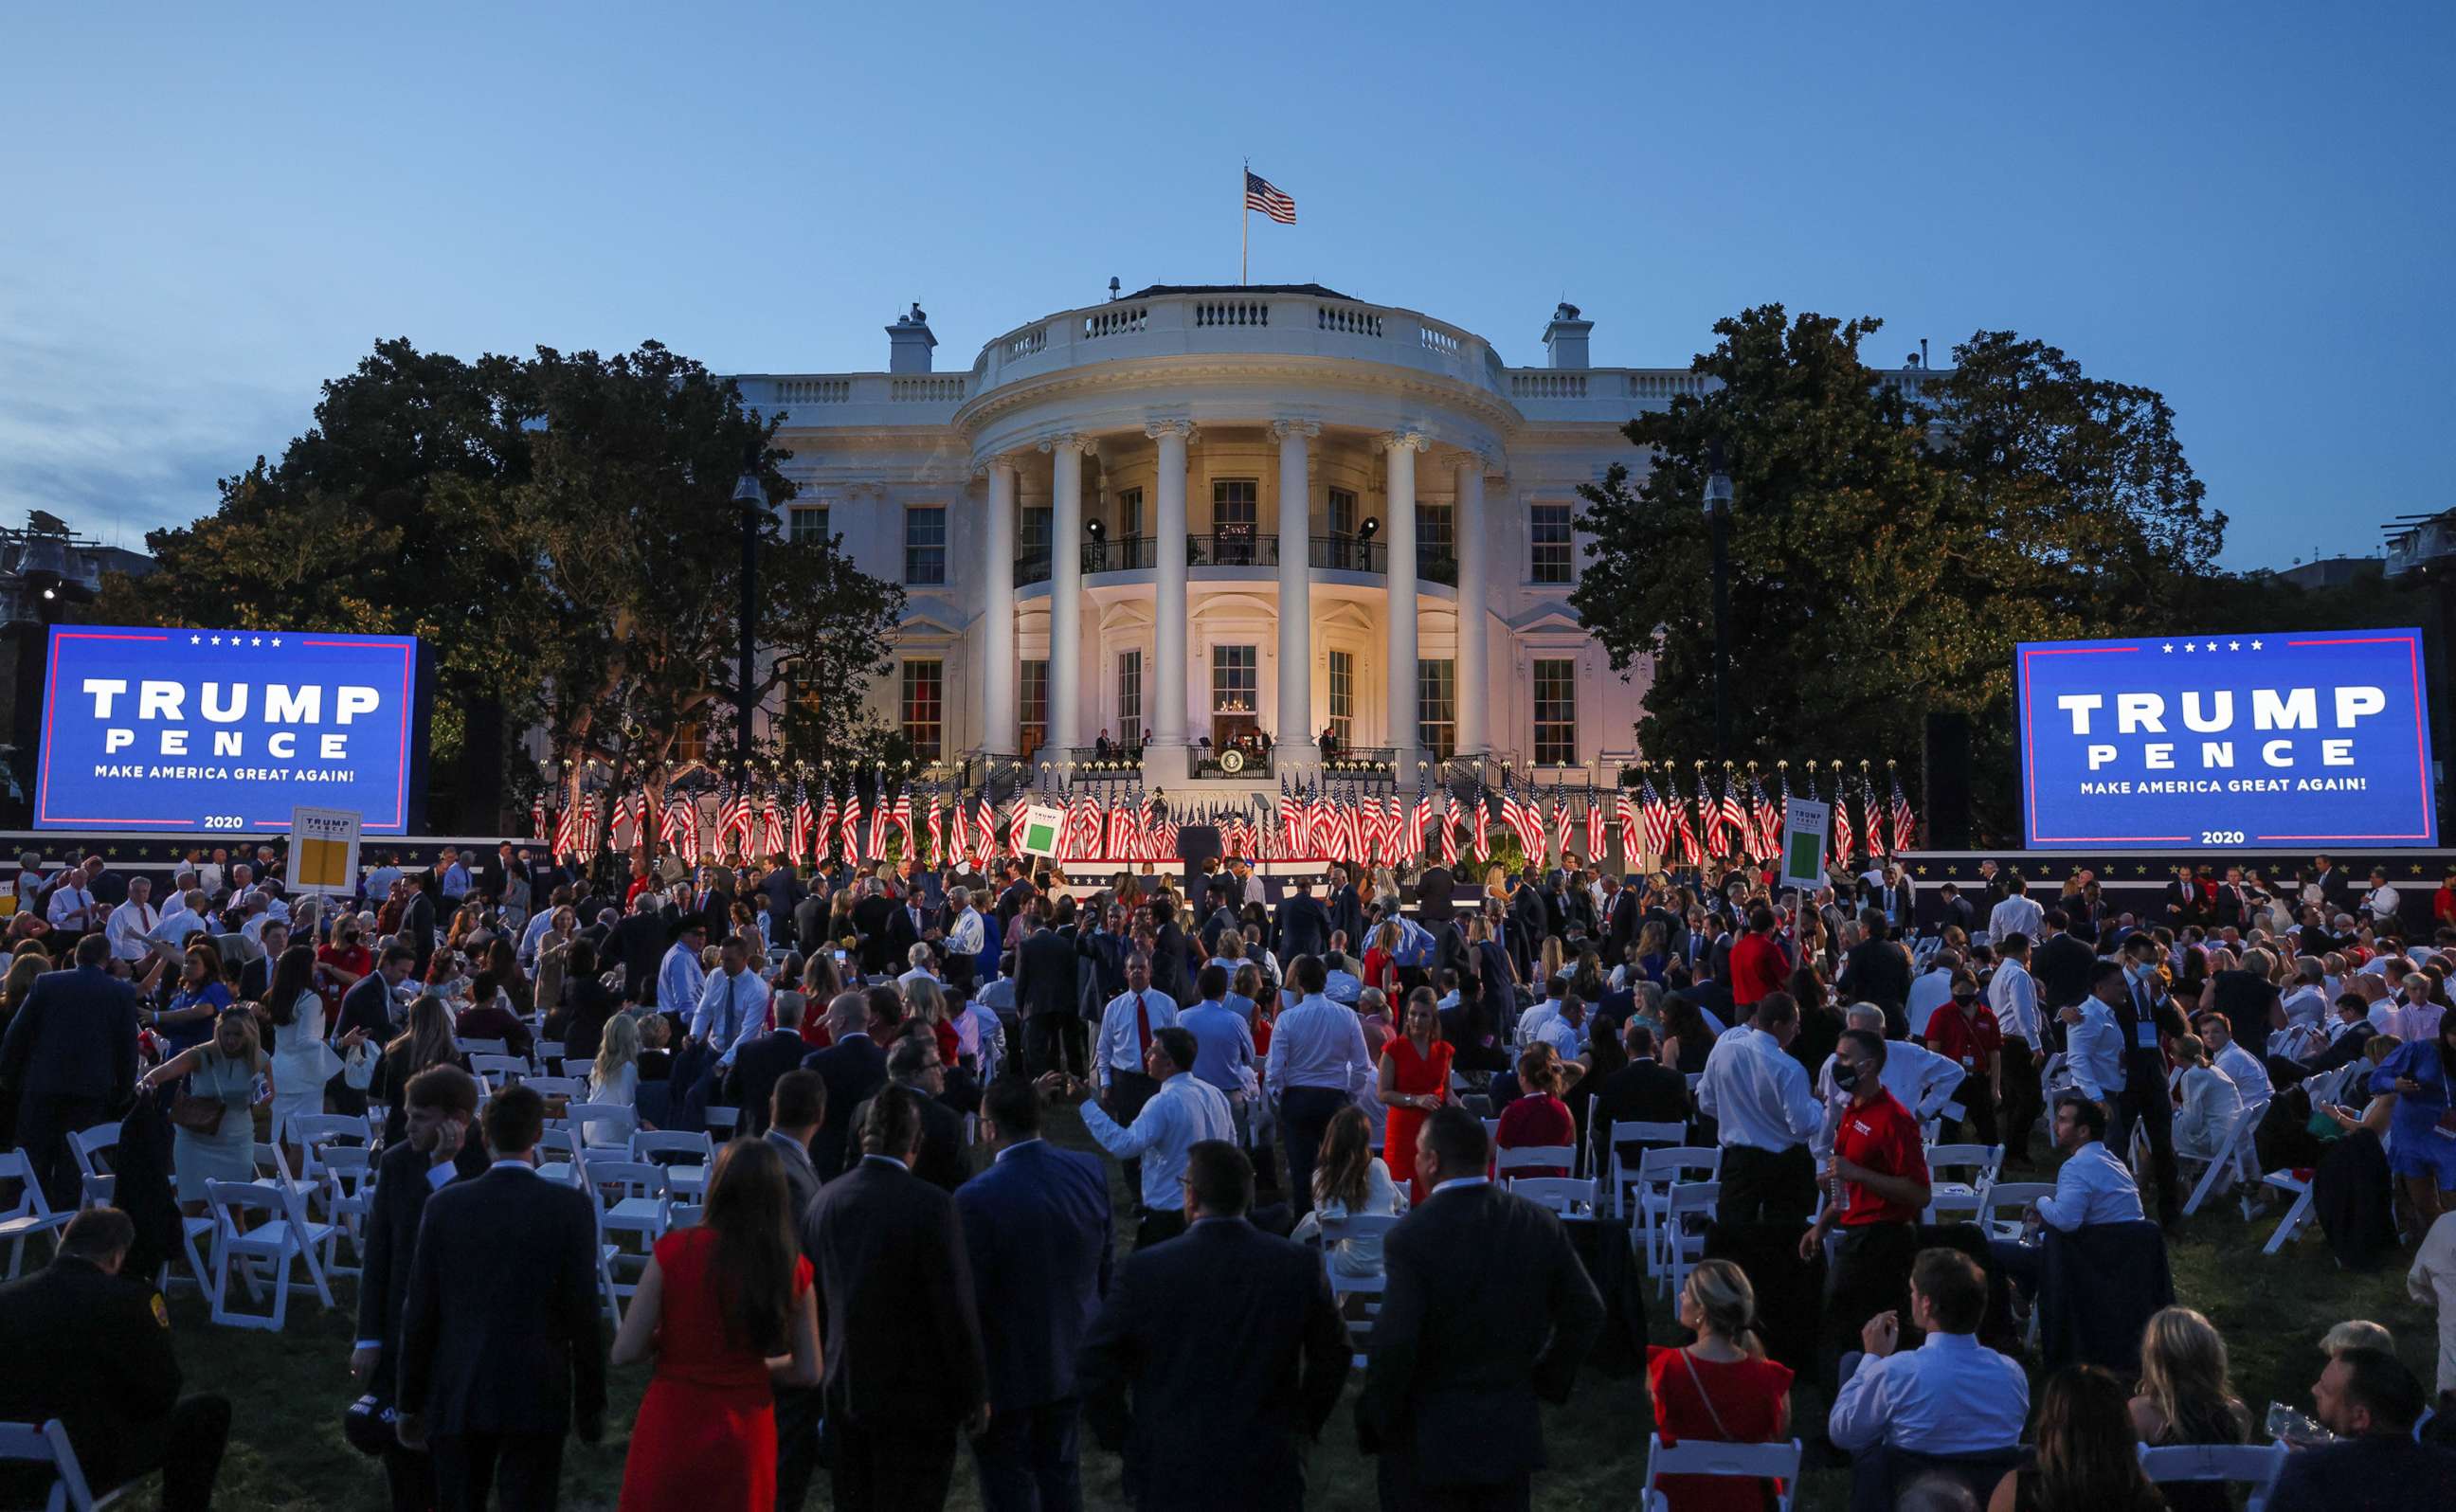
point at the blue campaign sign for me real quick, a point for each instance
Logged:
(2173, 744)
(197, 730)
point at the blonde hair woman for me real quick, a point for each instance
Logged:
(1721, 1388)
(2185, 1396)
(223, 1069)
(615, 1078)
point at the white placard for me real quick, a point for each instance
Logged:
(323, 851)
(1805, 824)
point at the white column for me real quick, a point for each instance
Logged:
(1162, 765)
(1400, 530)
(1066, 593)
(1295, 734)
(999, 669)
(1474, 693)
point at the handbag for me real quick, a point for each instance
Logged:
(198, 1116)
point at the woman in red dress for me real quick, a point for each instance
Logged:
(1415, 1079)
(1381, 960)
(726, 1309)
(1721, 1388)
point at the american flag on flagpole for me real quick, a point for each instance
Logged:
(1450, 830)
(826, 838)
(536, 817)
(1596, 838)
(1262, 194)
(1628, 846)
(1735, 819)
(850, 826)
(1905, 821)
(1658, 823)
(803, 820)
(1709, 819)
(567, 832)
(1845, 844)
(771, 833)
(1483, 820)
(1768, 819)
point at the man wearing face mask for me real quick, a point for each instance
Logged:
(2143, 1015)
(1877, 1185)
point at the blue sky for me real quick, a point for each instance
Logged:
(2246, 207)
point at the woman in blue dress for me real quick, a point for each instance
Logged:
(2422, 1132)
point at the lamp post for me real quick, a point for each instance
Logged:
(1718, 512)
(752, 501)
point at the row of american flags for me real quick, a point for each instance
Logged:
(1118, 822)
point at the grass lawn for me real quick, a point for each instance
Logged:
(288, 1390)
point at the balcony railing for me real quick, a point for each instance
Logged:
(1237, 548)
(1360, 760)
(1234, 761)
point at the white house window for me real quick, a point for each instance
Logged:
(1129, 699)
(1034, 687)
(1342, 697)
(1556, 711)
(924, 707)
(1548, 559)
(925, 545)
(806, 523)
(1437, 698)
(1342, 512)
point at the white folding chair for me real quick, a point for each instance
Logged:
(572, 1088)
(686, 1174)
(1661, 1136)
(557, 1156)
(272, 1170)
(1981, 1161)
(1659, 1172)
(580, 1117)
(29, 1215)
(284, 1235)
(1546, 1158)
(2013, 1196)
(1778, 1463)
(2235, 1165)
(1366, 1291)
(349, 1173)
(683, 1214)
(1570, 1197)
(498, 1070)
(1689, 1200)
(482, 1047)
(578, 1067)
(48, 1444)
(548, 1052)
(726, 1120)
(2255, 1464)
(2295, 1215)
(87, 1148)
(631, 1197)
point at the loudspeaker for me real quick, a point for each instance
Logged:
(1948, 781)
(1197, 844)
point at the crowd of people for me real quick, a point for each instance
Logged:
(1310, 1085)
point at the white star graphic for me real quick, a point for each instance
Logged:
(2189, 647)
(2255, 646)
(277, 640)
(195, 639)
(2234, 646)
(2169, 647)
(217, 639)
(2213, 646)
(255, 641)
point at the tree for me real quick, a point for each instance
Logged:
(1890, 541)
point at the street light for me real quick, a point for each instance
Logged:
(753, 502)
(1718, 511)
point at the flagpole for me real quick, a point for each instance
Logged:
(1244, 222)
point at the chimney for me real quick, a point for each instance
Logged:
(1565, 337)
(909, 342)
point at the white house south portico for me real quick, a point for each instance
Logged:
(1196, 519)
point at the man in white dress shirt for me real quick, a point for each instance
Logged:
(2092, 1187)
(2013, 996)
(1767, 1113)
(1316, 1065)
(1921, 1080)
(732, 1003)
(73, 908)
(182, 919)
(2019, 914)
(2240, 1066)
(1952, 1395)
(1932, 991)
(1121, 1042)
(2092, 1041)
(131, 922)
(1181, 1112)
(681, 977)
(1534, 1018)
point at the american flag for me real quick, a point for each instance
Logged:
(1262, 194)
(1871, 818)
(1483, 820)
(904, 818)
(1690, 851)
(937, 830)
(1419, 821)
(771, 830)
(1905, 821)
(1596, 838)
(536, 817)
(1735, 819)
(1845, 844)
(588, 824)
(1658, 823)
(1564, 827)
(826, 838)
(1710, 820)
(805, 822)
(882, 813)
(1768, 819)
(1450, 830)
(1629, 847)
(850, 826)
(567, 832)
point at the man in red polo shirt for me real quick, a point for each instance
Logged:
(1758, 965)
(1875, 1187)
(1966, 1032)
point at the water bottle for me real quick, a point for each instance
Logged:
(2288, 1426)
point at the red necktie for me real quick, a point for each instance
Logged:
(1142, 1024)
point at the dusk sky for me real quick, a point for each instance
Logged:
(211, 210)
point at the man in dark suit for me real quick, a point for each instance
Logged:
(904, 1345)
(1488, 1309)
(1645, 1091)
(912, 1064)
(852, 1067)
(1168, 951)
(1879, 970)
(69, 1059)
(1436, 900)
(256, 978)
(1621, 923)
(797, 1107)
(2370, 1402)
(1302, 926)
(640, 944)
(501, 1353)
(2147, 1017)
(757, 1065)
(417, 918)
(442, 1105)
(873, 921)
(1227, 1391)
(81, 1342)
(2063, 964)
(1346, 909)
(1100, 950)
(713, 902)
(1047, 993)
(810, 921)
(1038, 1233)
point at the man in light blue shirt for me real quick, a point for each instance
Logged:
(2092, 1187)
(2093, 1040)
(1224, 1053)
(681, 977)
(452, 878)
(732, 1004)
(1952, 1395)
(1184, 1111)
